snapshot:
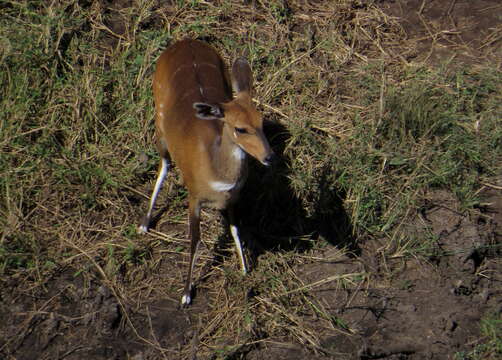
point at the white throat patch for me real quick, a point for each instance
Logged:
(221, 186)
(238, 153)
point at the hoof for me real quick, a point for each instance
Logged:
(143, 228)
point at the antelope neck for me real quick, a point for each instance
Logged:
(227, 159)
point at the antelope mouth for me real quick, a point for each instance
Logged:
(269, 160)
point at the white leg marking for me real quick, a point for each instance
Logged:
(158, 185)
(142, 229)
(186, 300)
(235, 235)
(195, 257)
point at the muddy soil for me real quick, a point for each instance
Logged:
(417, 309)
(423, 309)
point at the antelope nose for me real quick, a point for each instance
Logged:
(269, 159)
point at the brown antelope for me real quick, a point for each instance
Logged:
(206, 132)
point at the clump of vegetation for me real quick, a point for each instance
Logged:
(364, 136)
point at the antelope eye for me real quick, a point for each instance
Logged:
(241, 130)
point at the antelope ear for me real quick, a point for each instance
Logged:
(205, 111)
(242, 77)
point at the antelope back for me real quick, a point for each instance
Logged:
(190, 71)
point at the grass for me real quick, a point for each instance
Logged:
(364, 134)
(490, 346)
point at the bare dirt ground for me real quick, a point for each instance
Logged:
(449, 30)
(417, 309)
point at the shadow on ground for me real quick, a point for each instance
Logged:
(274, 218)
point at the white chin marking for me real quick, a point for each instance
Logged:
(221, 186)
(186, 300)
(142, 229)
